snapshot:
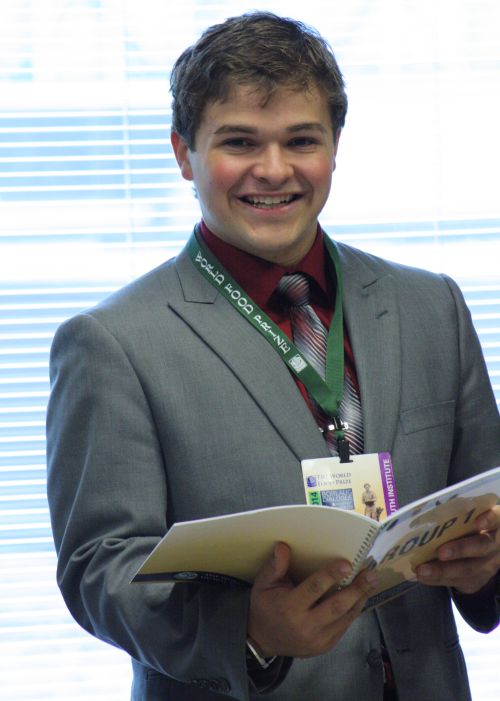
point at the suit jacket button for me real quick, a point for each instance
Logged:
(220, 685)
(201, 683)
(225, 685)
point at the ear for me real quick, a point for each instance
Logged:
(336, 140)
(181, 152)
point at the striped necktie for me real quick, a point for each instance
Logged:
(310, 336)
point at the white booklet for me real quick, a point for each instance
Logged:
(230, 549)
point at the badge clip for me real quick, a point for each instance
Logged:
(343, 447)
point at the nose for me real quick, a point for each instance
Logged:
(272, 165)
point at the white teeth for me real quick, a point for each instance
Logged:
(268, 201)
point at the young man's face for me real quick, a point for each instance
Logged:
(263, 172)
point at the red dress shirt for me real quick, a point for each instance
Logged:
(259, 278)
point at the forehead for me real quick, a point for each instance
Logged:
(284, 106)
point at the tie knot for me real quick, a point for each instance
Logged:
(295, 289)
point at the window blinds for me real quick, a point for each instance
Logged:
(90, 197)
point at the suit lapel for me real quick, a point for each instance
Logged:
(250, 358)
(372, 318)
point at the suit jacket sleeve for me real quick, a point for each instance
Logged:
(477, 446)
(108, 495)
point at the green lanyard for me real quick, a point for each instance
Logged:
(328, 392)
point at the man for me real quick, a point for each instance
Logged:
(168, 405)
(369, 499)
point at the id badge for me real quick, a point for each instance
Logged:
(365, 484)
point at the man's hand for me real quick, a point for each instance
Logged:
(467, 564)
(306, 619)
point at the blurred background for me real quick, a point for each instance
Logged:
(90, 198)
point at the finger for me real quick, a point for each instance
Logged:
(348, 602)
(332, 617)
(439, 574)
(468, 575)
(326, 622)
(489, 520)
(483, 544)
(275, 569)
(312, 589)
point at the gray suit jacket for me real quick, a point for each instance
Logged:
(166, 405)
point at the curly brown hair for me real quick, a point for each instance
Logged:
(259, 49)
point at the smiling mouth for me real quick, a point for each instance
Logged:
(267, 202)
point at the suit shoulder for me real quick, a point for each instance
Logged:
(159, 281)
(353, 258)
(139, 299)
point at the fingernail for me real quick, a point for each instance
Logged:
(482, 523)
(446, 553)
(425, 571)
(371, 578)
(345, 569)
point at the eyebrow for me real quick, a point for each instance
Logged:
(308, 126)
(243, 129)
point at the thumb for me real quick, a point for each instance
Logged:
(276, 567)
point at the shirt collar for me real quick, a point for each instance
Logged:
(258, 277)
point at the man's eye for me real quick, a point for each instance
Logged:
(237, 143)
(301, 141)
